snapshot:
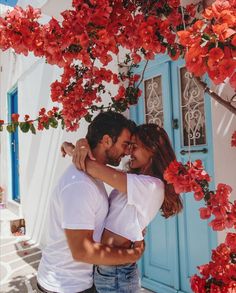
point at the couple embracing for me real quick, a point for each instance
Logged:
(94, 240)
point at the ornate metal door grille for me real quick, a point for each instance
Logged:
(154, 100)
(192, 111)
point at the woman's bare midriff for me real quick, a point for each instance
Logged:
(115, 240)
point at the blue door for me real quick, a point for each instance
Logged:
(8, 2)
(175, 247)
(14, 146)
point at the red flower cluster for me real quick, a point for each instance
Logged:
(193, 178)
(219, 275)
(186, 178)
(88, 36)
(211, 43)
(233, 139)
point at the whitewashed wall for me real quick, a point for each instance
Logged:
(224, 124)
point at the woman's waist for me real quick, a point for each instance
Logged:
(115, 240)
(124, 267)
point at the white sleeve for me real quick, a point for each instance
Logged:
(78, 205)
(146, 193)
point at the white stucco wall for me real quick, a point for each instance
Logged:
(224, 124)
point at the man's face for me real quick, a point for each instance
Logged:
(119, 149)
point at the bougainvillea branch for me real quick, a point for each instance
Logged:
(227, 104)
(91, 31)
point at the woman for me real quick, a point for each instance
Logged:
(135, 201)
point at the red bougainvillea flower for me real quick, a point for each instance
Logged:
(15, 117)
(227, 67)
(195, 61)
(231, 241)
(1, 122)
(121, 94)
(198, 284)
(232, 80)
(26, 118)
(233, 139)
(205, 213)
(233, 41)
(216, 54)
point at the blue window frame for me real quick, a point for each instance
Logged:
(14, 146)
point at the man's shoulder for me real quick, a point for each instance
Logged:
(73, 176)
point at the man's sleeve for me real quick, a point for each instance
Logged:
(78, 205)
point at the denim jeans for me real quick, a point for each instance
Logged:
(117, 279)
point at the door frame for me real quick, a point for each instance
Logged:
(14, 185)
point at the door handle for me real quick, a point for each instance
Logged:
(184, 152)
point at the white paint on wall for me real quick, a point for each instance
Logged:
(224, 124)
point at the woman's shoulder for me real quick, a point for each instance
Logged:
(145, 179)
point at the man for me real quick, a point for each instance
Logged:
(78, 208)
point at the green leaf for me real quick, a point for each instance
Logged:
(53, 122)
(24, 126)
(62, 124)
(32, 128)
(88, 118)
(12, 127)
(1, 127)
(46, 125)
(206, 37)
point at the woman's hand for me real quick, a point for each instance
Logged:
(67, 148)
(81, 152)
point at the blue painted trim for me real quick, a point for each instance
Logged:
(157, 287)
(9, 2)
(12, 97)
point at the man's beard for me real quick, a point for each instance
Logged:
(111, 160)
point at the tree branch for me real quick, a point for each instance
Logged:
(216, 97)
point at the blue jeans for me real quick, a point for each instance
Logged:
(117, 279)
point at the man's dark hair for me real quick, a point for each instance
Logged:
(110, 123)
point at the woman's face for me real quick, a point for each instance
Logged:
(140, 156)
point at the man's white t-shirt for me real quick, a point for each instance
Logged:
(129, 214)
(78, 202)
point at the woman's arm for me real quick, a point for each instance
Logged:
(83, 248)
(111, 176)
(84, 160)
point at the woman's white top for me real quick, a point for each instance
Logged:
(129, 214)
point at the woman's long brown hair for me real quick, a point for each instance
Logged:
(155, 138)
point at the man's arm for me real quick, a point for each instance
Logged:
(84, 249)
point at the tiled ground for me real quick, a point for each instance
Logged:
(19, 259)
